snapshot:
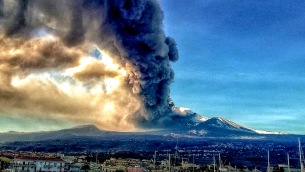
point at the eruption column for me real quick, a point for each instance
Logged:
(129, 31)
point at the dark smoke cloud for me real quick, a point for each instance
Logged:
(1, 9)
(19, 19)
(140, 39)
(130, 30)
(173, 53)
(76, 32)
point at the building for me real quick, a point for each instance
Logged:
(113, 164)
(95, 167)
(37, 164)
(285, 168)
(186, 165)
(76, 167)
(112, 168)
(136, 169)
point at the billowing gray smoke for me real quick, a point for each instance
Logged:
(1, 8)
(129, 29)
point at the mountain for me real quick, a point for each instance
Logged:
(187, 124)
(79, 131)
(221, 127)
(213, 127)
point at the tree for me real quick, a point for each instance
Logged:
(85, 167)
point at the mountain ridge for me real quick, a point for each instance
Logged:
(216, 121)
(193, 125)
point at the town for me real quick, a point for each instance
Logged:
(171, 154)
(157, 161)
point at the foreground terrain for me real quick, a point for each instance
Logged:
(249, 150)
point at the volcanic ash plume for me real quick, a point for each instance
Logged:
(97, 61)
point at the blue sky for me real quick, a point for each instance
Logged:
(241, 60)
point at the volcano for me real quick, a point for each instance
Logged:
(188, 124)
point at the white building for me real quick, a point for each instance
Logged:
(37, 164)
(76, 167)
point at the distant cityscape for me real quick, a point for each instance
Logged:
(174, 160)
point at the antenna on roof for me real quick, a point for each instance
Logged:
(155, 159)
(268, 170)
(214, 163)
(288, 162)
(176, 153)
(169, 162)
(300, 153)
(219, 161)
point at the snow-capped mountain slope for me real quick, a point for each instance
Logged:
(216, 126)
(270, 132)
(221, 127)
(225, 123)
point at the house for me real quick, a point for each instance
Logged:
(136, 169)
(37, 164)
(112, 168)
